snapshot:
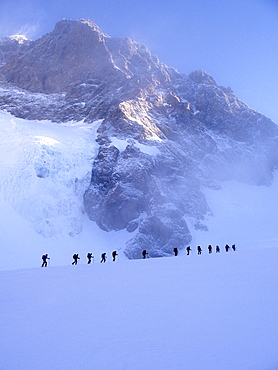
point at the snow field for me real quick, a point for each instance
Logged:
(243, 214)
(204, 312)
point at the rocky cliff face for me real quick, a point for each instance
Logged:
(164, 135)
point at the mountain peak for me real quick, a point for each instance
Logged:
(77, 51)
(73, 52)
(65, 25)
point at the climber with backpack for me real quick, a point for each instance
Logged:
(103, 258)
(75, 259)
(114, 254)
(144, 253)
(44, 260)
(90, 256)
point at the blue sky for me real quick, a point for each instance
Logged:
(235, 41)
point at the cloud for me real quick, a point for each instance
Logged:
(21, 17)
(28, 30)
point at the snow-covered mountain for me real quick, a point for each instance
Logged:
(98, 126)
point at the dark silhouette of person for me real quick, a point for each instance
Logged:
(176, 251)
(210, 249)
(103, 258)
(114, 254)
(227, 248)
(188, 249)
(217, 249)
(233, 247)
(199, 249)
(144, 254)
(44, 260)
(75, 259)
(90, 256)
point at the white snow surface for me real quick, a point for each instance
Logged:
(208, 312)
(122, 144)
(243, 214)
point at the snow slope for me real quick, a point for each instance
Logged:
(44, 170)
(243, 214)
(208, 312)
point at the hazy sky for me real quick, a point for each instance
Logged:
(235, 41)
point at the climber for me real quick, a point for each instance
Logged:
(210, 249)
(90, 256)
(199, 249)
(144, 253)
(114, 254)
(176, 251)
(103, 258)
(188, 249)
(227, 247)
(44, 260)
(75, 258)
